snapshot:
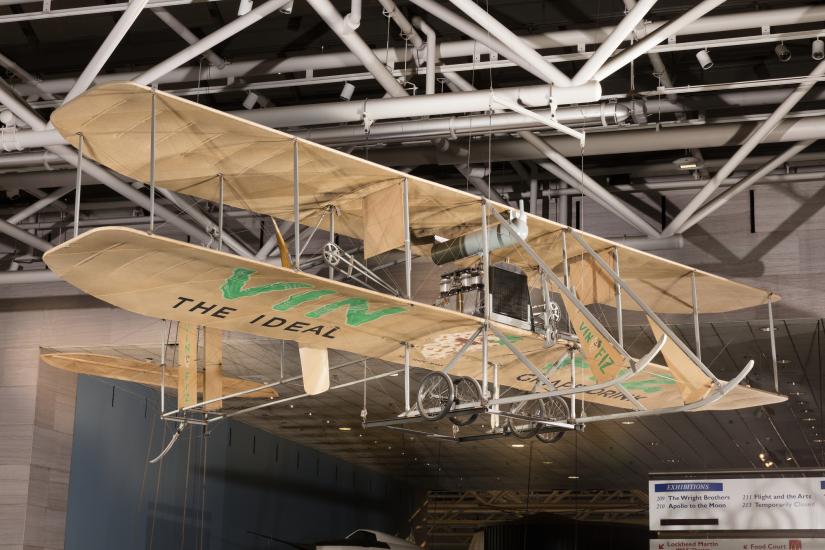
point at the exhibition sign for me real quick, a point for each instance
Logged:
(737, 504)
(738, 544)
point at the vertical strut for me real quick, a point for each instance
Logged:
(772, 331)
(296, 205)
(406, 377)
(618, 290)
(407, 243)
(163, 344)
(332, 237)
(695, 300)
(573, 383)
(220, 212)
(78, 178)
(153, 130)
(488, 302)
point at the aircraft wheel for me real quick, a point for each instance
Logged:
(467, 390)
(525, 429)
(436, 396)
(555, 408)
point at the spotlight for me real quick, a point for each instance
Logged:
(287, 8)
(244, 7)
(782, 52)
(7, 119)
(818, 49)
(250, 100)
(347, 91)
(703, 57)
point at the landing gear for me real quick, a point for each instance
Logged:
(523, 427)
(555, 408)
(436, 396)
(467, 390)
(552, 409)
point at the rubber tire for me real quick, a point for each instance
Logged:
(553, 436)
(449, 401)
(473, 383)
(526, 434)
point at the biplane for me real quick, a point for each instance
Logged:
(514, 310)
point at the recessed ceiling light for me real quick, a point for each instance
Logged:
(546, 461)
(654, 444)
(809, 419)
(572, 477)
(783, 362)
(394, 374)
(517, 445)
(344, 428)
(628, 422)
(767, 329)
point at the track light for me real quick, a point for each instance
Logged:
(286, 9)
(7, 119)
(250, 100)
(818, 49)
(782, 52)
(244, 7)
(347, 91)
(703, 57)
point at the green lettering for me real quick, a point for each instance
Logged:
(357, 311)
(298, 299)
(233, 287)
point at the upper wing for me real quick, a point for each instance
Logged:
(170, 279)
(196, 143)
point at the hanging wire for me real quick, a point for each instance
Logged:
(205, 447)
(186, 491)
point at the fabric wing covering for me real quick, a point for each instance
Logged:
(169, 279)
(196, 143)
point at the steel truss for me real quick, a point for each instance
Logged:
(449, 518)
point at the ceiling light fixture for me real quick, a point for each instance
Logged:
(286, 9)
(687, 163)
(344, 428)
(572, 477)
(517, 445)
(244, 7)
(703, 57)
(347, 91)
(628, 422)
(782, 52)
(818, 50)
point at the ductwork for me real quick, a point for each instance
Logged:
(608, 143)
(462, 48)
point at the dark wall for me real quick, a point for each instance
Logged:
(255, 482)
(551, 532)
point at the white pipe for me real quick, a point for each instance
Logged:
(483, 37)
(356, 45)
(429, 32)
(420, 105)
(30, 276)
(407, 30)
(662, 33)
(105, 51)
(352, 20)
(486, 190)
(619, 34)
(24, 236)
(651, 244)
(754, 139)
(462, 48)
(611, 142)
(188, 36)
(88, 10)
(152, 75)
(745, 183)
(39, 205)
(510, 39)
(24, 75)
(581, 180)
